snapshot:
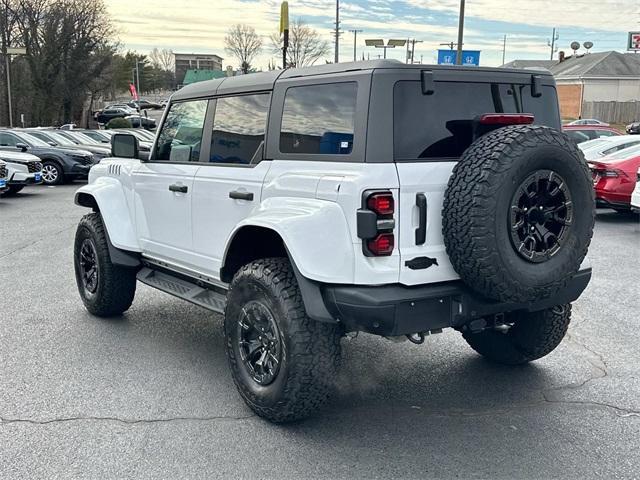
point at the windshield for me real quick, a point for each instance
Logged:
(60, 139)
(82, 139)
(31, 140)
(598, 142)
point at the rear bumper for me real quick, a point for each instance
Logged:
(394, 310)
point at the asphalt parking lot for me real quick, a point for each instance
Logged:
(150, 396)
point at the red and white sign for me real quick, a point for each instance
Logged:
(634, 41)
(133, 91)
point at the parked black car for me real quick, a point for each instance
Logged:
(139, 120)
(58, 164)
(633, 128)
(64, 139)
(109, 114)
(144, 105)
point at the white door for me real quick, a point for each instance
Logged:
(163, 186)
(229, 187)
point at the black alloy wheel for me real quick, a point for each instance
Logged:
(259, 341)
(89, 266)
(541, 216)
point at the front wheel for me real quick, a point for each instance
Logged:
(52, 173)
(523, 337)
(106, 289)
(282, 362)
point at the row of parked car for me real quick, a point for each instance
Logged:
(614, 160)
(134, 111)
(53, 156)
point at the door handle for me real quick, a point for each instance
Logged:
(236, 195)
(178, 188)
(421, 231)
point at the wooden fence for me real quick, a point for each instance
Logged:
(612, 112)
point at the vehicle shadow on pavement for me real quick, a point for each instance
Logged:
(611, 216)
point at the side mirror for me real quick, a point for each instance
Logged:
(22, 146)
(124, 145)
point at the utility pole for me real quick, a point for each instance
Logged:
(460, 33)
(337, 58)
(552, 43)
(504, 50)
(6, 57)
(355, 43)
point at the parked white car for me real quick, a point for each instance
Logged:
(601, 147)
(22, 169)
(3, 177)
(635, 196)
(589, 121)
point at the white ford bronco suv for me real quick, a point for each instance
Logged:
(375, 197)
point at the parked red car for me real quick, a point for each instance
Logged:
(614, 178)
(582, 133)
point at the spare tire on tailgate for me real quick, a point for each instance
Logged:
(518, 213)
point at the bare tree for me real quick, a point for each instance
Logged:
(162, 59)
(306, 45)
(243, 43)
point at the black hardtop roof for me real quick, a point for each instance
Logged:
(263, 81)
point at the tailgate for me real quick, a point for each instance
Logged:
(417, 258)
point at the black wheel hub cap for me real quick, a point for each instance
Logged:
(259, 343)
(89, 266)
(541, 216)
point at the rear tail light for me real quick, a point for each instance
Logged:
(376, 223)
(382, 245)
(506, 119)
(381, 203)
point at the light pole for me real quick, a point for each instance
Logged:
(9, 52)
(355, 43)
(379, 43)
(337, 55)
(460, 33)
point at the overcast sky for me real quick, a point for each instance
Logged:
(199, 26)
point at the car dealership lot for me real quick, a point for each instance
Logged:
(150, 395)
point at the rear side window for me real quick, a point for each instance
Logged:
(238, 129)
(441, 125)
(319, 119)
(180, 139)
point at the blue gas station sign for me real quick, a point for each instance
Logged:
(470, 58)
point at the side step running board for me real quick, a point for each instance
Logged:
(183, 289)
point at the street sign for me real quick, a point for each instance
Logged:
(634, 41)
(16, 51)
(470, 58)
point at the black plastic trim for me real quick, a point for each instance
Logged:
(394, 310)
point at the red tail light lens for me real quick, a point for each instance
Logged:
(381, 203)
(382, 245)
(506, 119)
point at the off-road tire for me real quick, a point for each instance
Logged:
(532, 336)
(13, 190)
(477, 208)
(116, 285)
(310, 349)
(59, 179)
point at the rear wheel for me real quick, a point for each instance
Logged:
(282, 362)
(52, 173)
(106, 289)
(523, 336)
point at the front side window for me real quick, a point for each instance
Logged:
(238, 129)
(180, 139)
(319, 119)
(8, 140)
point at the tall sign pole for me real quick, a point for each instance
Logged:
(8, 53)
(284, 31)
(460, 33)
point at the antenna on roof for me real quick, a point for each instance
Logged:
(588, 46)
